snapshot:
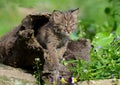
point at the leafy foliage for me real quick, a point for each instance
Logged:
(38, 71)
(105, 54)
(105, 63)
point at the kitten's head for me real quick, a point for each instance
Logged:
(65, 22)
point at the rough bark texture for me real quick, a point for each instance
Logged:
(19, 48)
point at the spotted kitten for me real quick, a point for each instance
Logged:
(55, 34)
(53, 37)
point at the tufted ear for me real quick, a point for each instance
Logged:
(57, 16)
(75, 12)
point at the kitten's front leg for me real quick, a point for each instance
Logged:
(52, 53)
(61, 50)
(63, 43)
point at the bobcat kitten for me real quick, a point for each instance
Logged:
(54, 35)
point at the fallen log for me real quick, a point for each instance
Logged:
(19, 48)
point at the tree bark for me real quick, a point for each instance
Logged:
(19, 47)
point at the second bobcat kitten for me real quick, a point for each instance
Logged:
(55, 34)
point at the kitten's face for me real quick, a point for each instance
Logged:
(65, 22)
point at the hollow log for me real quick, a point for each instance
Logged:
(19, 47)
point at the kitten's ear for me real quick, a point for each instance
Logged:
(57, 16)
(75, 12)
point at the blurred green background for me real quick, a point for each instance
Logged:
(91, 13)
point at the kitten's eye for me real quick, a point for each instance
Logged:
(65, 26)
(58, 30)
(73, 24)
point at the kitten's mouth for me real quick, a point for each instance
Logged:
(68, 33)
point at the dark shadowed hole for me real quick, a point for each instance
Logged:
(39, 21)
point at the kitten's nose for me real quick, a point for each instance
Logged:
(68, 30)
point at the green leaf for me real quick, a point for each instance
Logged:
(103, 39)
(107, 10)
(118, 31)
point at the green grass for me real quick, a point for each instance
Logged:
(9, 18)
(105, 60)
